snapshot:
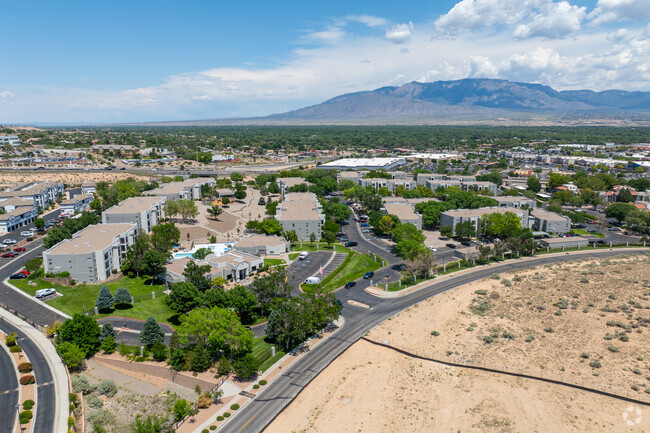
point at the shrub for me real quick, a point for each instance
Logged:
(95, 402)
(213, 427)
(608, 336)
(635, 387)
(28, 404)
(612, 348)
(123, 349)
(584, 355)
(107, 388)
(595, 364)
(435, 333)
(256, 386)
(495, 277)
(108, 345)
(219, 418)
(636, 371)
(624, 338)
(10, 339)
(562, 304)
(25, 416)
(245, 366)
(234, 406)
(73, 282)
(506, 282)
(28, 379)
(15, 349)
(263, 382)
(82, 384)
(25, 367)
(204, 401)
(548, 329)
(64, 274)
(72, 396)
(226, 414)
(480, 292)
(225, 367)
(529, 339)
(508, 335)
(488, 339)
(159, 351)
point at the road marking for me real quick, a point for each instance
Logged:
(358, 304)
(247, 422)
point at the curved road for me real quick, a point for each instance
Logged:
(260, 412)
(8, 391)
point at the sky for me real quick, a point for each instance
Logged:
(118, 61)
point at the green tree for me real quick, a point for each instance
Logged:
(82, 331)
(465, 230)
(533, 184)
(201, 359)
(236, 177)
(409, 248)
(625, 196)
(312, 238)
(104, 300)
(151, 424)
(187, 209)
(215, 211)
(184, 297)
(271, 287)
(201, 253)
(290, 236)
(153, 263)
(240, 194)
(271, 227)
(446, 231)
(407, 231)
(171, 208)
(151, 332)
(39, 223)
(500, 224)
(494, 177)
(96, 205)
(122, 297)
(245, 366)
(181, 409)
(196, 274)
(242, 300)
(274, 188)
(164, 236)
(331, 226)
(108, 345)
(134, 261)
(71, 354)
(329, 237)
(106, 331)
(619, 211)
(386, 225)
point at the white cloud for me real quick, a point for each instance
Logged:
(555, 20)
(473, 14)
(618, 36)
(620, 10)
(400, 33)
(368, 20)
(329, 35)
(6, 94)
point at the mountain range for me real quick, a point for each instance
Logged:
(467, 101)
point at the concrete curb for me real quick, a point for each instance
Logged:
(20, 389)
(59, 372)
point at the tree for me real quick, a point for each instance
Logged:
(446, 231)
(151, 332)
(195, 274)
(533, 184)
(407, 231)
(122, 297)
(638, 221)
(270, 288)
(236, 177)
(39, 223)
(494, 177)
(215, 211)
(245, 366)
(181, 409)
(216, 297)
(409, 248)
(82, 331)
(151, 424)
(108, 345)
(187, 209)
(240, 194)
(290, 236)
(242, 300)
(202, 253)
(386, 225)
(71, 354)
(106, 331)
(312, 238)
(201, 359)
(500, 224)
(465, 230)
(134, 261)
(271, 227)
(184, 297)
(153, 263)
(619, 211)
(96, 205)
(171, 208)
(164, 236)
(225, 201)
(104, 300)
(274, 188)
(625, 196)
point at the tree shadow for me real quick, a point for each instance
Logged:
(123, 307)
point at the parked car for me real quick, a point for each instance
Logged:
(452, 246)
(466, 243)
(433, 249)
(350, 284)
(9, 255)
(26, 233)
(19, 250)
(351, 244)
(592, 231)
(344, 239)
(24, 272)
(366, 231)
(9, 241)
(17, 276)
(614, 229)
(368, 275)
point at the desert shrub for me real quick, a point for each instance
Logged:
(612, 348)
(107, 388)
(15, 349)
(10, 339)
(99, 417)
(488, 339)
(584, 355)
(495, 276)
(28, 404)
(506, 282)
(595, 364)
(95, 402)
(529, 339)
(226, 414)
(263, 382)
(612, 296)
(204, 401)
(508, 335)
(549, 329)
(636, 371)
(624, 338)
(608, 336)
(517, 278)
(494, 296)
(562, 304)
(480, 308)
(435, 333)
(220, 418)
(82, 384)
(234, 406)
(558, 313)
(25, 367)
(28, 379)
(481, 292)
(541, 307)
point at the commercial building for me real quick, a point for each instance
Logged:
(189, 189)
(405, 212)
(301, 212)
(516, 202)
(145, 212)
(92, 253)
(11, 140)
(78, 203)
(550, 222)
(428, 157)
(263, 245)
(456, 216)
(364, 164)
(572, 242)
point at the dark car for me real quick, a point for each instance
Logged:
(351, 244)
(350, 284)
(466, 243)
(450, 246)
(9, 255)
(368, 275)
(17, 276)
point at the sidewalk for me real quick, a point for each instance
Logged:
(59, 372)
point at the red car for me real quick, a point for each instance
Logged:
(19, 250)
(24, 272)
(9, 255)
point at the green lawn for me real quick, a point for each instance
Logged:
(76, 298)
(274, 262)
(351, 270)
(261, 348)
(582, 232)
(293, 256)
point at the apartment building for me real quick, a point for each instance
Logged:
(42, 194)
(391, 184)
(287, 182)
(550, 222)
(189, 189)
(18, 213)
(456, 216)
(92, 253)
(88, 187)
(78, 203)
(405, 212)
(301, 212)
(516, 202)
(145, 212)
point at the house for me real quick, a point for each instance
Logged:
(263, 245)
(145, 212)
(550, 222)
(93, 253)
(78, 203)
(189, 189)
(302, 213)
(456, 216)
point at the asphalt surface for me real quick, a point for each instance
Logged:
(15, 235)
(128, 330)
(45, 401)
(261, 411)
(8, 391)
(300, 270)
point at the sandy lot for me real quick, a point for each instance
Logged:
(69, 178)
(374, 389)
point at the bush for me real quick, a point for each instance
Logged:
(159, 351)
(72, 396)
(529, 339)
(213, 427)
(245, 366)
(25, 367)
(219, 418)
(548, 329)
(435, 333)
(28, 404)
(487, 339)
(123, 349)
(508, 335)
(263, 382)
(225, 367)
(95, 402)
(506, 282)
(107, 388)
(562, 304)
(256, 386)
(480, 292)
(595, 364)
(205, 430)
(495, 277)
(108, 345)
(82, 384)
(25, 416)
(624, 338)
(15, 349)
(64, 274)
(234, 406)
(226, 414)
(10, 339)
(204, 401)
(27, 380)
(612, 348)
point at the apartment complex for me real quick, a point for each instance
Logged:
(145, 212)
(405, 212)
(189, 189)
(453, 217)
(233, 266)
(78, 203)
(287, 182)
(301, 212)
(263, 245)
(42, 194)
(18, 213)
(390, 184)
(88, 187)
(516, 202)
(92, 253)
(545, 221)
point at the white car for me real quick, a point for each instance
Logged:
(26, 233)
(9, 241)
(433, 249)
(45, 292)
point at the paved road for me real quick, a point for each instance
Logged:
(8, 391)
(256, 415)
(15, 235)
(300, 270)
(45, 406)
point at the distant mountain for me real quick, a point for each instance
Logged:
(464, 99)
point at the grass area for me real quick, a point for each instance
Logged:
(293, 256)
(76, 298)
(273, 262)
(350, 270)
(262, 348)
(582, 232)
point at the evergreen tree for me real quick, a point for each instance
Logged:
(151, 332)
(104, 299)
(200, 358)
(122, 296)
(107, 331)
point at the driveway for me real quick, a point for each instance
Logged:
(300, 270)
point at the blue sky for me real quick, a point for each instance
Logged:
(123, 61)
